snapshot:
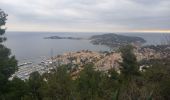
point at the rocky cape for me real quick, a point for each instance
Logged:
(115, 40)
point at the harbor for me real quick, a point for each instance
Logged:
(103, 61)
(26, 68)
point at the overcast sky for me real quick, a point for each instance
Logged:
(87, 15)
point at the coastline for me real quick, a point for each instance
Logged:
(75, 61)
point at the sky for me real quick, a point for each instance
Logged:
(87, 15)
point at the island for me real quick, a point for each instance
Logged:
(58, 37)
(115, 40)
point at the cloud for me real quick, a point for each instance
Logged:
(87, 15)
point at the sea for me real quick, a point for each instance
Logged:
(32, 47)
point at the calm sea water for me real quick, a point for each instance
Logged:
(31, 46)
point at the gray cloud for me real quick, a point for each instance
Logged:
(88, 14)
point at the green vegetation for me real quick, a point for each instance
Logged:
(7, 62)
(130, 84)
(115, 40)
(129, 64)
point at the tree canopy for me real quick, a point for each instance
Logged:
(8, 64)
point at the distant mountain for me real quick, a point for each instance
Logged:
(58, 37)
(112, 39)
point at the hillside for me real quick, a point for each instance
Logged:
(113, 40)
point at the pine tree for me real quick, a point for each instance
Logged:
(129, 65)
(59, 85)
(8, 64)
(129, 89)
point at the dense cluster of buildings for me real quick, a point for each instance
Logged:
(76, 61)
(78, 58)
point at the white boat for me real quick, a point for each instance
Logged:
(25, 63)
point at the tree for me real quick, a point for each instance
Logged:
(157, 79)
(59, 85)
(18, 89)
(89, 84)
(129, 71)
(129, 65)
(8, 64)
(35, 84)
(3, 19)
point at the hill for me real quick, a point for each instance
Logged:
(113, 40)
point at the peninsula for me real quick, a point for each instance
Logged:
(115, 40)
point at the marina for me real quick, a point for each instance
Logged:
(25, 69)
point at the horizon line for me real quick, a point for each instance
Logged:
(133, 31)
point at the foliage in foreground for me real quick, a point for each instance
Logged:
(8, 64)
(151, 84)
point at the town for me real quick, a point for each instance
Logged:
(103, 61)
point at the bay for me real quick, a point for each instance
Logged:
(31, 46)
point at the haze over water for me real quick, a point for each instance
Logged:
(31, 46)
